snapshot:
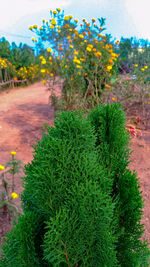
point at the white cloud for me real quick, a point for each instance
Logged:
(100, 3)
(123, 17)
(13, 10)
(139, 13)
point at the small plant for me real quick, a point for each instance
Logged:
(7, 206)
(7, 192)
(14, 167)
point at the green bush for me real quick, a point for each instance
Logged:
(62, 186)
(82, 206)
(22, 246)
(113, 149)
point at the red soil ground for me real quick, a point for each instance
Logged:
(22, 113)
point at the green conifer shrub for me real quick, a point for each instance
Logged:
(68, 209)
(113, 149)
(82, 205)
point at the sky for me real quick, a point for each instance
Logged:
(123, 17)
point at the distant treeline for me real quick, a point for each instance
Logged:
(133, 51)
(20, 56)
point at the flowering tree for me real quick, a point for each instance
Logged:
(80, 54)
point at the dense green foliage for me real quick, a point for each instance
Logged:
(20, 56)
(113, 149)
(133, 51)
(82, 205)
(17, 62)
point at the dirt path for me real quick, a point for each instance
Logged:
(141, 163)
(22, 113)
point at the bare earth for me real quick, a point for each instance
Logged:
(22, 113)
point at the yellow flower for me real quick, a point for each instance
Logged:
(109, 67)
(58, 9)
(2, 168)
(41, 28)
(98, 54)
(93, 20)
(32, 39)
(35, 26)
(76, 20)
(71, 46)
(49, 49)
(142, 69)
(51, 74)
(55, 12)
(75, 32)
(145, 67)
(43, 62)
(51, 27)
(43, 20)
(107, 86)
(13, 153)
(43, 70)
(75, 52)
(58, 31)
(110, 61)
(90, 45)
(88, 49)
(43, 81)
(79, 73)
(117, 42)
(76, 61)
(113, 98)
(68, 37)
(136, 65)
(30, 28)
(81, 36)
(66, 18)
(53, 21)
(14, 195)
(79, 67)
